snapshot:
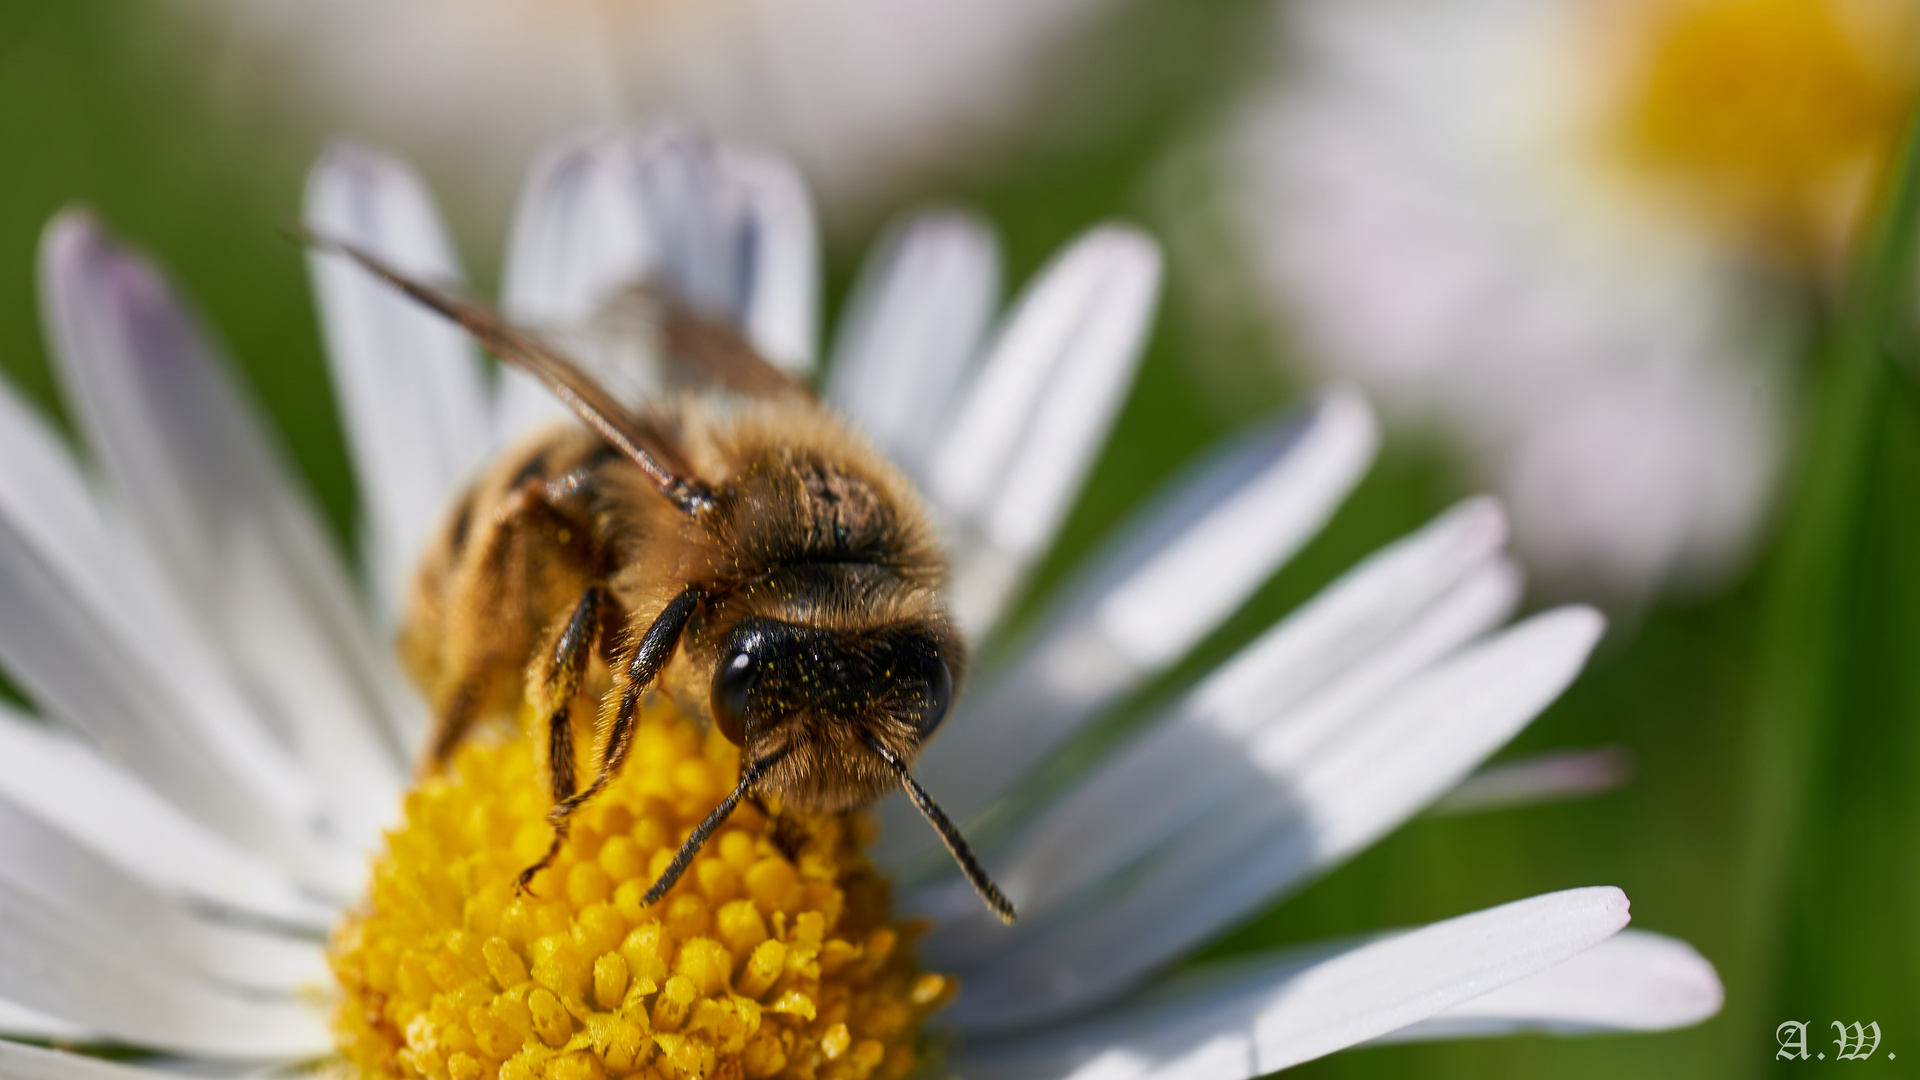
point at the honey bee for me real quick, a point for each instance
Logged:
(753, 560)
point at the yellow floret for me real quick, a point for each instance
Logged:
(1773, 114)
(772, 958)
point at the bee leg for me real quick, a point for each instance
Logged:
(655, 648)
(648, 658)
(492, 576)
(551, 687)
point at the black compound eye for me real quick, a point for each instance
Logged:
(939, 697)
(733, 685)
(761, 665)
(772, 671)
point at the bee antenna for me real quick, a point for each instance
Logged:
(574, 387)
(949, 835)
(683, 858)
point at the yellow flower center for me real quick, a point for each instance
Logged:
(773, 956)
(1773, 115)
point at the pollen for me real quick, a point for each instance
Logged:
(774, 956)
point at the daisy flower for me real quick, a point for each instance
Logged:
(858, 91)
(220, 739)
(1577, 239)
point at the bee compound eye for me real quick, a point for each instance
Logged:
(733, 685)
(939, 697)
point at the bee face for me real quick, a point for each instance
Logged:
(823, 697)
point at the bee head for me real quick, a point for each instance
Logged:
(827, 697)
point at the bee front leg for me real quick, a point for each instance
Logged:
(649, 656)
(551, 686)
(655, 649)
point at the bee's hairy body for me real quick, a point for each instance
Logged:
(811, 527)
(739, 550)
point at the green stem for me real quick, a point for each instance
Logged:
(1814, 622)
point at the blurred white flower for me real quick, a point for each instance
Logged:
(857, 92)
(1574, 237)
(221, 738)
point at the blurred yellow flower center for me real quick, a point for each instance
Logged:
(773, 956)
(1777, 114)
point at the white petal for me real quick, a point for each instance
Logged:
(737, 239)
(1350, 622)
(1176, 582)
(782, 313)
(1007, 470)
(1196, 553)
(1259, 1017)
(19, 1062)
(121, 913)
(581, 236)
(239, 543)
(523, 406)
(725, 230)
(1636, 981)
(118, 611)
(64, 783)
(43, 490)
(52, 964)
(411, 389)
(580, 233)
(698, 217)
(44, 495)
(1167, 787)
(912, 329)
(1327, 800)
(1549, 776)
(65, 549)
(20, 1022)
(77, 659)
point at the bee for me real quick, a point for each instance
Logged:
(753, 560)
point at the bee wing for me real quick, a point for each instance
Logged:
(702, 349)
(628, 433)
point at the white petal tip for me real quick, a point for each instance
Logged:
(88, 276)
(1613, 899)
(72, 239)
(340, 170)
(1129, 247)
(1580, 627)
(1641, 981)
(1634, 981)
(1345, 404)
(956, 221)
(1484, 515)
(347, 154)
(371, 198)
(72, 225)
(1681, 988)
(581, 149)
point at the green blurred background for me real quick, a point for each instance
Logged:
(1772, 818)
